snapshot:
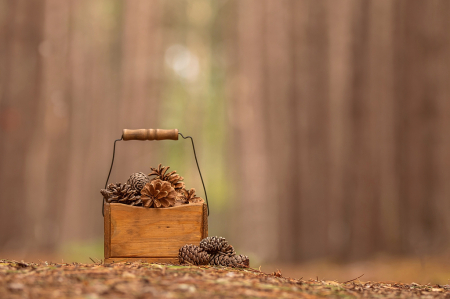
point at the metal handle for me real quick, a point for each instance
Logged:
(153, 134)
(150, 134)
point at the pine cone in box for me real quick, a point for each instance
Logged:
(138, 180)
(158, 194)
(189, 196)
(191, 254)
(175, 180)
(215, 244)
(172, 177)
(159, 172)
(122, 193)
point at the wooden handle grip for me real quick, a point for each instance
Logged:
(150, 134)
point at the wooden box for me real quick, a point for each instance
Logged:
(152, 235)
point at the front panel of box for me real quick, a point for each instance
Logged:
(140, 232)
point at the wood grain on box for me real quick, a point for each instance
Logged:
(163, 260)
(136, 233)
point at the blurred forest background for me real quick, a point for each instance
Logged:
(321, 127)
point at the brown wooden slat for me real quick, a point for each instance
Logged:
(205, 222)
(165, 260)
(107, 223)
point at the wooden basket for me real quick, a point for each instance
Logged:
(151, 234)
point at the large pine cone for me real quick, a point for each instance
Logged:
(214, 244)
(172, 177)
(191, 254)
(138, 180)
(226, 260)
(158, 194)
(186, 197)
(122, 193)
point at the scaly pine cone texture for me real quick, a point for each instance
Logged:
(214, 244)
(138, 180)
(122, 193)
(172, 177)
(222, 253)
(227, 260)
(158, 193)
(187, 197)
(238, 261)
(159, 172)
(191, 254)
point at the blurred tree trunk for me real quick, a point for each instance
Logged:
(256, 210)
(21, 34)
(115, 83)
(69, 85)
(350, 98)
(46, 179)
(422, 90)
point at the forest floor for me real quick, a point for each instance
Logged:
(144, 280)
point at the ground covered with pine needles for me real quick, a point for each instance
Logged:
(144, 280)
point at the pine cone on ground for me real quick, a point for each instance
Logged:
(189, 196)
(238, 261)
(214, 244)
(228, 260)
(158, 194)
(172, 177)
(228, 250)
(191, 254)
(138, 180)
(122, 193)
(219, 259)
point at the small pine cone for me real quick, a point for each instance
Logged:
(173, 178)
(188, 196)
(238, 261)
(228, 260)
(138, 180)
(137, 201)
(179, 186)
(214, 244)
(219, 259)
(228, 250)
(159, 172)
(122, 193)
(191, 254)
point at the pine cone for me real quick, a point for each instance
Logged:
(122, 193)
(228, 250)
(191, 254)
(227, 260)
(219, 259)
(179, 186)
(138, 180)
(159, 172)
(239, 261)
(189, 196)
(158, 194)
(214, 244)
(172, 177)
